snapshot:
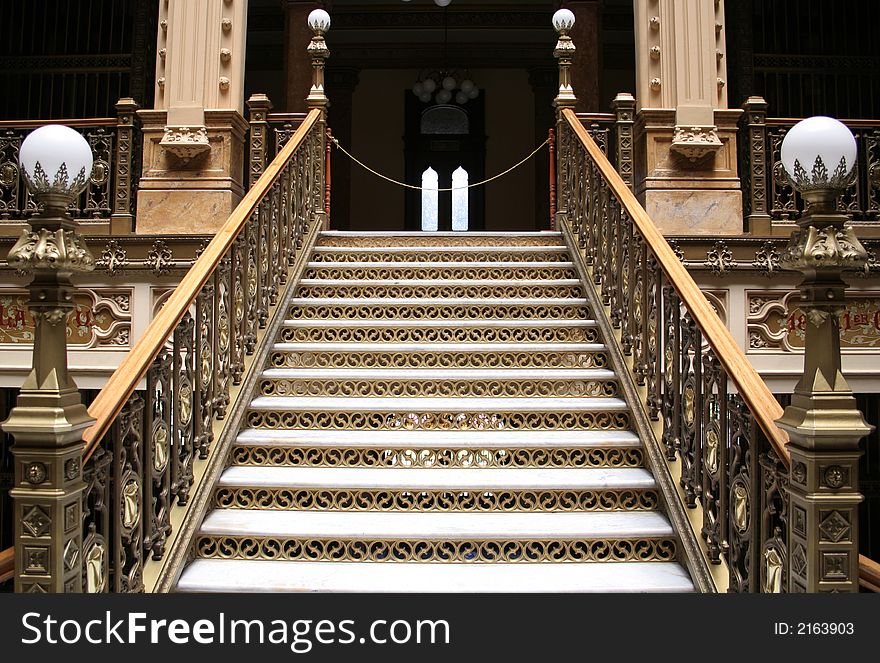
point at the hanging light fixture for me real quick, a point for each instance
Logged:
(444, 85)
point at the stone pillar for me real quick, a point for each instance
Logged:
(685, 134)
(194, 137)
(297, 67)
(341, 83)
(585, 73)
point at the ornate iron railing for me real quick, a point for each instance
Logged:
(106, 204)
(158, 414)
(713, 413)
(767, 190)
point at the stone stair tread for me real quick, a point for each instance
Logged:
(439, 347)
(435, 526)
(465, 404)
(397, 322)
(284, 576)
(441, 233)
(439, 373)
(434, 438)
(287, 576)
(438, 301)
(418, 479)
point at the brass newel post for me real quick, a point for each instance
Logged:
(319, 22)
(563, 21)
(624, 106)
(49, 418)
(122, 220)
(259, 106)
(755, 120)
(823, 422)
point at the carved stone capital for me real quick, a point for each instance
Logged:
(318, 47)
(185, 142)
(695, 143)
(58, 250)
(830, 247)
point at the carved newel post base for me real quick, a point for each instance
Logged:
(823, 423)
(49, 419)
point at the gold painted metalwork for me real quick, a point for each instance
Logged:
(430, 291)
(434, 388)
(336, 255)
(464, 421)
(433, 311)
(429, 359)
(494, 500)
(428, 334)
(436, 458)
(451, 551)
(823, 421)
(401, 271)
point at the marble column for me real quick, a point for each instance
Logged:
(585, 73)
(194, 137)
(297, 67)
(686, 168)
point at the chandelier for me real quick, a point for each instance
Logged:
(444, 85)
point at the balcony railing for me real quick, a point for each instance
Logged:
(767, 192)
(106, 204)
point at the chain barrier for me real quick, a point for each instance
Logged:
(418, 188)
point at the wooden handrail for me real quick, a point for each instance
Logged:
(869, 573)
(7, 564)
(72, 122)
(125, 379)
(749, 384)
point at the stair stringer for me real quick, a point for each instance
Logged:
(226, 431)
(692, 553)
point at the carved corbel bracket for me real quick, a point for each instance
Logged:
(695, 143)
(185, 142)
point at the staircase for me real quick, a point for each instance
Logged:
(438, 414)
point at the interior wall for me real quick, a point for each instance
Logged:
(377, 139)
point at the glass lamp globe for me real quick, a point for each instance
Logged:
(474, 93)
(461, 98)
(56, 160)
(563, 20)
(417, 89)
(449, 83)
(442, 3)
(444, 96)
(819, 153)
(467, 85)
(425, 97)
(429, 85)
(319, 21)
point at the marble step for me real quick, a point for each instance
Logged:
(209, 575)
(432, 383)
(440, 439)
(553, 405)
(437, 288)
(512, 356)
(441, 270)
(247, 523)
(426, 310)
(431, 254)
(453, 479)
